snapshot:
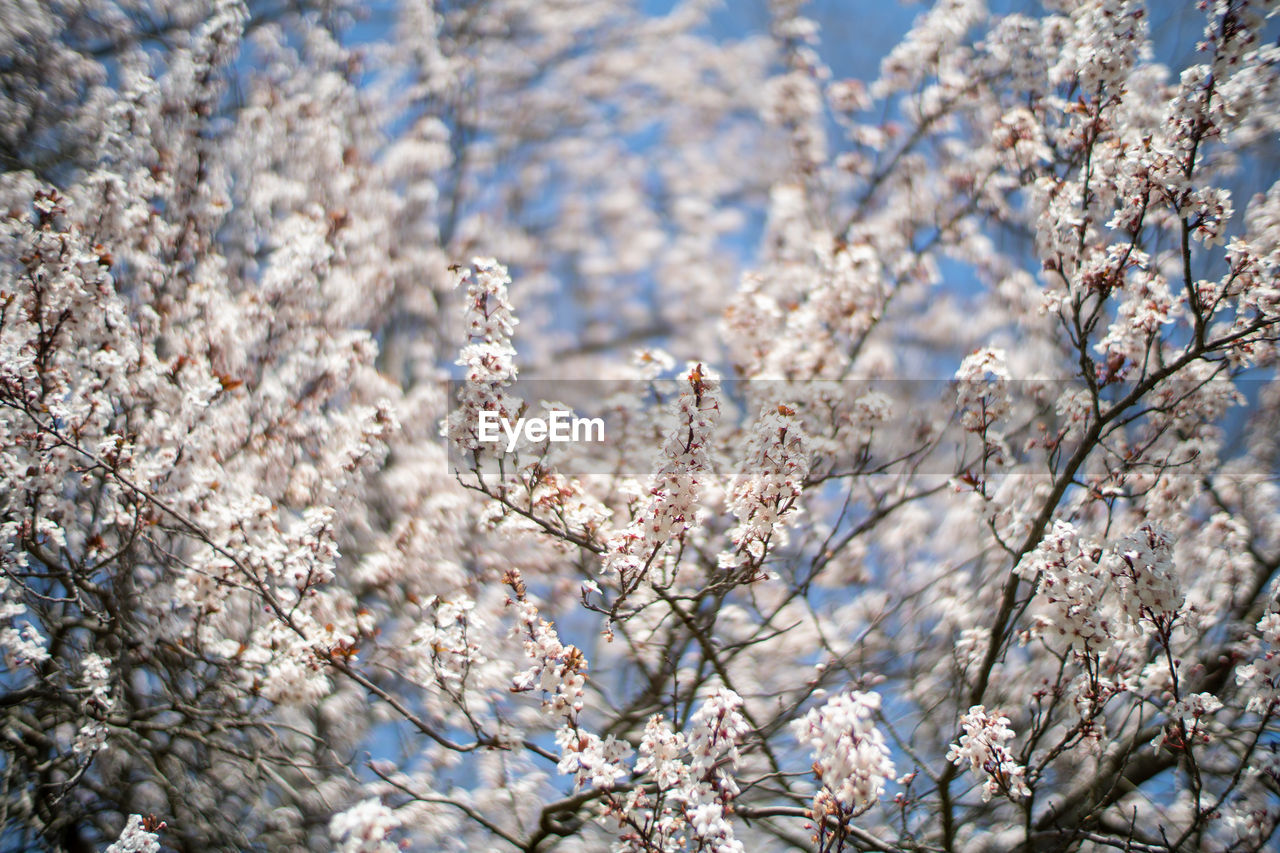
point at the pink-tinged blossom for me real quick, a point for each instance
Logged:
(715, 730)
(1075, 407)
(559, 674)
(1107, 38)
(983, 396)
(558, 671)
(661, 753)
(591, 761)
(983, 746)
(1148, 305)
(1193, 715)
(1072, 585)
(447, 644)
(934, 36)
(21, 641)
(671, 506)
(850, 753)
(765, 491)
(695, 772)
(96, 702)
(135, 838)
(365, 828)
(1260, 679)
(488, 359)
(1145, 578)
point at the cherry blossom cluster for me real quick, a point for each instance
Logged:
(138, 836)
(764, 493)
(716, 729)
(559, 672)
(1192, 714)
(1143, 570)
(446, 643)
(1260, 678)
(692, 777)
(1072, 584)
(982, 395)
(365, 828)
(983, 746)
(489, 358)
(850, 754)
(671, 505)
(22, 643)
(96, 675)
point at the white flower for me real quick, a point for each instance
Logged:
(1071, 588)
(364, 828)
(715, 730)
(1143, 570)
(660, 751)
(593, 762)
(848, 749)
(489, 358)
(983, 747)
(767, 486)
(983, 392)
(135, 838)
(675, 488)
(559, 671)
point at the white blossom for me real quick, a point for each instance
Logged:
(365, 828)
(849, 750)
(764, 493)
(983, 746)
(135, 838)
(983, 395)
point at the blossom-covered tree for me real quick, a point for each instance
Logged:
(940, 506)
